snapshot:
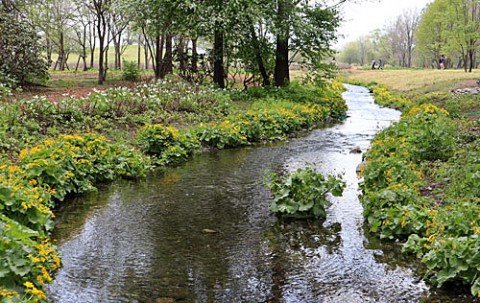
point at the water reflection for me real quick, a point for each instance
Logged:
(202, 232)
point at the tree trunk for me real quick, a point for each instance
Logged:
(182, 55)
(118, 53)
(194, 55)
(167, 62)
(48, 45)
(471, 57)
(159, 41)
(139, 52)
(61, 52)
(258, 55)
(148, 52)
(106, 55)
(282, 73)
(218, 50)
(92, 43)
(147, 58)
(78, 62)
(84, 60)
(66, 61)
(84, 49)
(92, 57)
(101, 28)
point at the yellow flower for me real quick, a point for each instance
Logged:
(28, 284)
(8, 293)
(13, 168)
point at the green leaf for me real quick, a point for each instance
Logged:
(475, 289)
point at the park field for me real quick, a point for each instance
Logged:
(414, 82)
(130, 54)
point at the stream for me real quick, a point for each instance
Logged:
(202, 231)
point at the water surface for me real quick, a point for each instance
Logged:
(202, 232)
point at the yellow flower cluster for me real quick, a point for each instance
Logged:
(386, 98)
(49, 169)
(9, 294)
(427, 109)
(38, 295)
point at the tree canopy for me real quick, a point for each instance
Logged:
(216, 39)
(447, 29)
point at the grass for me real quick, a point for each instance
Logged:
(414, 82)
(130, 54)
(88, 78)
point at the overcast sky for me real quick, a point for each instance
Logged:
(361, 19)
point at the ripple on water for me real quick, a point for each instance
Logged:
(202, 232)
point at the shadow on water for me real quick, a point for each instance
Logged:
(202, 232)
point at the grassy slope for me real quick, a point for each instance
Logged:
(413, 82)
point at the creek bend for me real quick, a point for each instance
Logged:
(202, 231)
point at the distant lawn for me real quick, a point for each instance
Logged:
(130, 54)
(88, 78)
(417, 81)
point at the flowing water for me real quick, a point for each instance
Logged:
(202, 232)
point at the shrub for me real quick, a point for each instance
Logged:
(20, 51)
(431, 135)
(223, 135)
(27, 260)
(168, 143)
(130, 71)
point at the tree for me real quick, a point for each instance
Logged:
(350, 53)
(100, 9)
(451, 27)
(401, 35)
(464, 17)
(159, 22)
(118, 25)
(302, 28)
(84, 36)
(20, 51)
(431, 42)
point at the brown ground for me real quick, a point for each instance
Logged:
(55, 94)
(80, 85)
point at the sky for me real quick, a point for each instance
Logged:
(361, 19)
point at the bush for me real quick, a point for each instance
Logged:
(20, 52)
(432, 136)
(130, 71)
(168, 143)
(303, 193)
(223, 135)
(327, 95)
